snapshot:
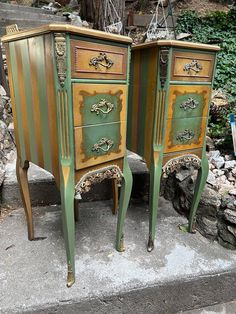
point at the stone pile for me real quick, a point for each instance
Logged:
(7, 146)
(216, 215)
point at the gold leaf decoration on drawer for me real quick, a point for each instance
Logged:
(193, 66)
(101, 60)
(190, 103)
(99, 107)
(104, 144)
(185, 136)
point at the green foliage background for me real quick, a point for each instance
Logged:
(217, 28)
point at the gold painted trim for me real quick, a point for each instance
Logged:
(82, 161)
(97, 176)
(181, 90)
(160, 116)
(81, 90)
(63, 124)
(176, 163)
(60, 54)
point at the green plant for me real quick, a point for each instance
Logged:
(219, 125)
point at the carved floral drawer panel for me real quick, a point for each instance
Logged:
(184, 134)
(98, 61)
(188, 101)
(192, 66)
(99, 143)
(98, 103)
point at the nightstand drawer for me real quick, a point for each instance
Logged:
(188, 101)
(99, 143)
(191, 66)
(98, 61)
(98, 104)
(183, 134)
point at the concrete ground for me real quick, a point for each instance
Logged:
(185, 271)
(226, 308)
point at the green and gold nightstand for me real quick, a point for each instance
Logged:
(169, 96)
(69, 90)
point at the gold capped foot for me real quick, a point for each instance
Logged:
(70, 277)
(150, 245)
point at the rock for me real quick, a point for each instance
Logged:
(231, 178)
(218, 162)
(225, 237)
(226, 200)
(232, 230)
(228, 157)
(230, 164)
(224, 189)
(214, 154)
(73, 4)
(207, 227)
(2, 174)
(230, 215)
(231, 206)
(85, 24)
(211, 166)
(232, 192)
(210, 143)
(2, 91)
(211, 179)
(183, 174)
(209, 203)
(234, 172)
(222, 180)
(218, 172)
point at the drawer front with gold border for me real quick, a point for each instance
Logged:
(98, 103)
(98, 61)
(184, 134)
(187, 101)
(192, 66)
(99, 143)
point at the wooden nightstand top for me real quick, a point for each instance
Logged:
(65, 28)
(177, 44)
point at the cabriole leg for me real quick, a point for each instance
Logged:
(21, 173)
(155, 178)
(115, 196)
(123, 204)
(68, 221)
(199, 186)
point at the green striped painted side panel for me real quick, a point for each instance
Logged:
(34, 100)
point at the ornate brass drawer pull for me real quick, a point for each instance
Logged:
(102, 60)
(190, 103)
(108, 107)
(100, 145)
(185, 136)
(194, 66)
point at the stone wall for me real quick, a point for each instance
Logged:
(7, 143)
(216, 214)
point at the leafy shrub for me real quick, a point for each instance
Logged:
(219, 28)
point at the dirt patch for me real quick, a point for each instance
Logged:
(203, 7)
